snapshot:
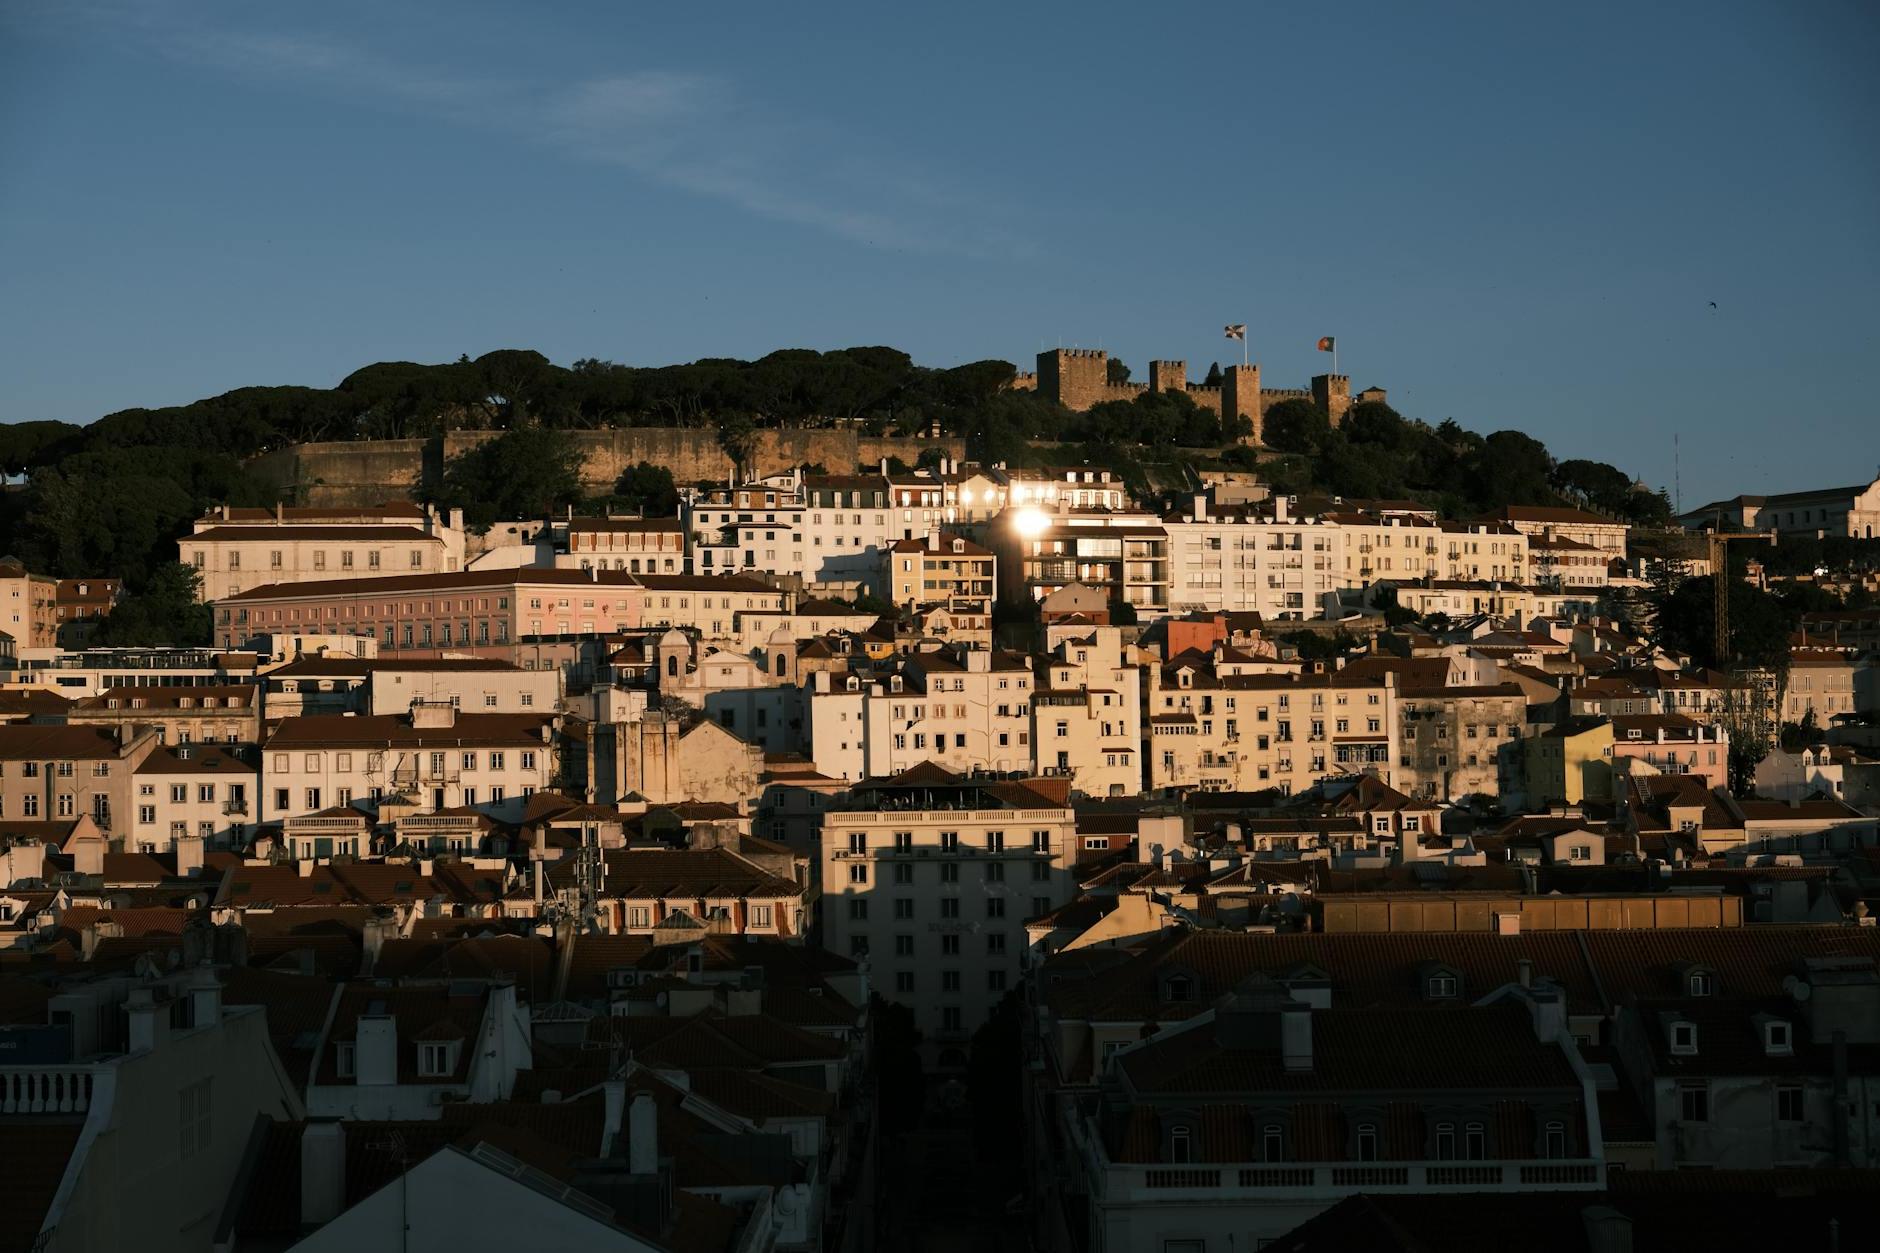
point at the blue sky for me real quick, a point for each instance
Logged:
(1513, 215)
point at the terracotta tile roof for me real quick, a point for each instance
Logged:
(21, 741)
(33, 1157)
(364, 534)
(1481, 1047)
(420, 1012)
(1366, 970)
(396, 731)
(705, 873)
(527, 959)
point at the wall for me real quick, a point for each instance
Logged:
(362, 472)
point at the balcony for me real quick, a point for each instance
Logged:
(1262, 1183)
(52, 1088)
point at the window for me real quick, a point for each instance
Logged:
(434, 1059)
(1180, 1144)
(1778, 1039)
(1694, 1102)
(1367, 1142)
(193, 1118)
(950, 945)
(858, 908)
(858, 873)
(1446, 1142)
(1684, 1038)
(1789, 1102)
(903, 981)
(904, 907)
(903, 946)
(1272, 1144)
(1443, 987)
(1475, 1142)
(343, 1059)
(1701, 983)
(949, 981)
(949, 907)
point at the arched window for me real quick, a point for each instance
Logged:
(1554, 1140)
(1179, 1149)
(672, 666)
(1367, 1141)
(1475, 1141)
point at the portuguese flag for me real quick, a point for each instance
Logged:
(1326, 343)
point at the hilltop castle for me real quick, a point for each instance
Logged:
(1078, 378)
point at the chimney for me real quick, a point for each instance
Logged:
(1295, 1036)
(188, 855)
(205, 996)
(146, 1020)
(1201, 507)
(375, 1047)
(1525, 969)
(322, 1172)
(643, 1135)
(280, 512)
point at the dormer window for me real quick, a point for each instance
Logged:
(1178, 988)
(343, 1059)
(1778, 1039)
(1684, 1039)
(1700, 983)
(1442, 987)
(437, 1060)
(1180, 1144)
(1272, 1144)
(1367, 1142)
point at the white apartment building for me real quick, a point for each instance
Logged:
(1087, 719)
(822, 528)
(235, 548)
(1238, 560)
(199, 790)
(437, 756)
(966, 709)
(1069, 487)
(931, 875)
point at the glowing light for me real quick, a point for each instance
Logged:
(966, 495)
(1018, 494)
(1030, 522)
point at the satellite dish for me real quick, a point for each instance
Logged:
(1796, 988)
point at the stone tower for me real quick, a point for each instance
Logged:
(1074, 377)
(1168, 376)
(1332, 393)
(1240, 397)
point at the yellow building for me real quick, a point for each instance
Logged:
(1571, 764)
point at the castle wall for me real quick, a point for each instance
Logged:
(364, 472)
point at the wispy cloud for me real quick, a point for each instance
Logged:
(698, 133)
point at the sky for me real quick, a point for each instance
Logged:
(1603, 224)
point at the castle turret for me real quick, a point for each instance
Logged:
(1240, 397)
(1073, 377)
(1168, 376)
(1332, 393)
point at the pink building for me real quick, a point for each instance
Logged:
(1674, 744)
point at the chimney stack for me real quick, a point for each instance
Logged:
(322, 1172)
(643, 1135)
(1295, 1036)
